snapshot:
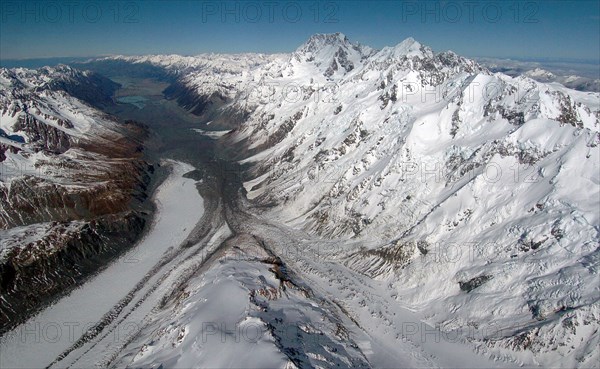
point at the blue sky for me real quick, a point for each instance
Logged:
(518, 29)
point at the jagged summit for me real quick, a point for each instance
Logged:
(320, 40)
(408, 48)
(43, 77)
(332, 54)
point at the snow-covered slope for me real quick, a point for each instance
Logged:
(271, 319)
(474, 194)
(70, 179)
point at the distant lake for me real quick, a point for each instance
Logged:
(137, 101)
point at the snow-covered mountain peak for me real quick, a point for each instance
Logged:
(332, 54)
(409, 48)
(84, 85)
(319, 41)
(60, 68)
(42, 78)
(540, 74)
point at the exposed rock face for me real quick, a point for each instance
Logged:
(64, 254)
(31, 199)
(42, 136)
(72, 185)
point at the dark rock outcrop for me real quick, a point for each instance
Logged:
(41, 270)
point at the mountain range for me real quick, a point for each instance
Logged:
(468, 196)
